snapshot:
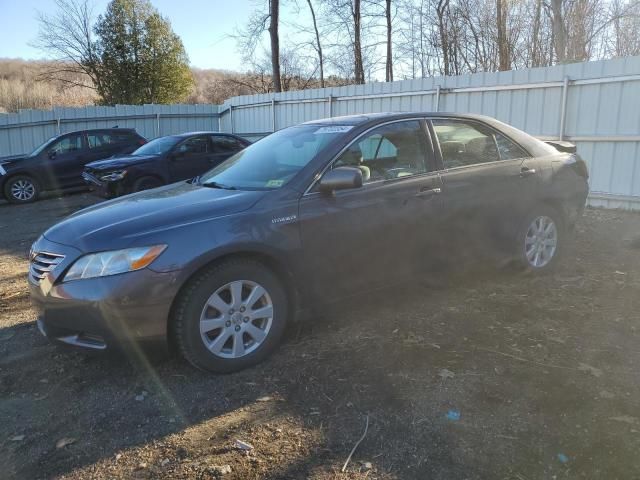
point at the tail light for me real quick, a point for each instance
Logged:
(141, 141)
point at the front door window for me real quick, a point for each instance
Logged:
(391, 151)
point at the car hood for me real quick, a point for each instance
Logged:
(8, 163)
(120, 162)
(126, 221)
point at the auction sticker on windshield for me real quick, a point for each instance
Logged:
(274, 183)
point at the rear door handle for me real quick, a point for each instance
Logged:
(428, 192)
(526, 171)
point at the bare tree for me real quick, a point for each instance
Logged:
(357, 41)
(318, 44)
(504, 62)
(67, 36)
(442, 10)
(274, 14)
(389, 63)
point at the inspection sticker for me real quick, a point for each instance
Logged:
(334, 129)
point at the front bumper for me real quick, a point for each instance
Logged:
(100, 188)
(125, 310)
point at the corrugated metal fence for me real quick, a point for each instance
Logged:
(594, 104)
(23, 131)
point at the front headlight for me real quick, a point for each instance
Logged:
(113, 176)
(113, 262)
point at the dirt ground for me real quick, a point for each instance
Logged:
(499, 376)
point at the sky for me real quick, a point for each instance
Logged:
(203, 25)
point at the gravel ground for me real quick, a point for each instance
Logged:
(499, 376)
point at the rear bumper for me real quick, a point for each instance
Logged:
(121, 311)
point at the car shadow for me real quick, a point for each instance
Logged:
(354, 360)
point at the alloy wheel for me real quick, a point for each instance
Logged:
(541, 241)
(236, 319)
(23, 190)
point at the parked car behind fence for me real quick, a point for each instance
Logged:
(57, 164)
(161, 161)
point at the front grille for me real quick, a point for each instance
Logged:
(42, 263)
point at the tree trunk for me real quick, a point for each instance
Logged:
(534, 56)
(504, 62)
(357, 46)
(441, 10)
(318, 44)
(389, 67)
(559, 32)
(274, 12)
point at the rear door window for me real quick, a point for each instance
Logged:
(98, 140)
(194, 146)
(468, 143)
(224, 144)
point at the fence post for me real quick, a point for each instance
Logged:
(273, 114)
(563, 107)
(58, 126)
(330, 105)
(231, 117)
(157, 124)
(437, 102)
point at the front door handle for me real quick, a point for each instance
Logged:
(428, 192)
(526, 171)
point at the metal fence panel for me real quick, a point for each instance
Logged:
(593, 104)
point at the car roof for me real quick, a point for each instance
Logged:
(376, 117)
(107, 129)
(189, 134)
(364, 121)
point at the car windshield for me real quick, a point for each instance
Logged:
(273, 161)
(158, 146)
(42, 147)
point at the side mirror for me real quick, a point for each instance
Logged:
(341, 178)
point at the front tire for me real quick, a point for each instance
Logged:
(540, 240)
(230, 316)
(21, 189)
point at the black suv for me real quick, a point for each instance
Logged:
(57, 164)
(161, 161)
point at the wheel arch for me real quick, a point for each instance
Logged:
(5, 179)
(268, 259)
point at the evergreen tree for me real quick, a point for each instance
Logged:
(141, 59)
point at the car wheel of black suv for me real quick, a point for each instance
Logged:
(146, 183)
(540, 240)
(230, 316)
(21, 189)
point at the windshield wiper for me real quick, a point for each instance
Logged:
(217, 185)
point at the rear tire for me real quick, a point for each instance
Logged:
(231, 316)
(146, 183)
(540, 240)
(21, 189)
